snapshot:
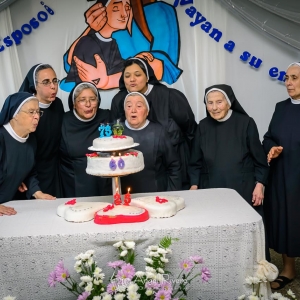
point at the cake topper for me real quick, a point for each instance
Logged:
(105, 130)
(118, 129)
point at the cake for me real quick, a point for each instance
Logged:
(78, 212)
(115, 164)
(160, 206)
(112, 143)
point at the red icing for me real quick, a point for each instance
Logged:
(119, 137)
(71, 202)
(94, 154)
(131, 153)
(161, 200)
(108, 207)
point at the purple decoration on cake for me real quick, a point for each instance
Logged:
(112, 164)
(121, 163)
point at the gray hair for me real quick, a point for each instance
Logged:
(83, 86)
(137, 94)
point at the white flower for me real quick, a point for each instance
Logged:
(118, 244)
(77, 269)
(89, 287)
(133, 287)
(150, 269)
(253, 297)
(99, 276)
(242, 297)
(160, 270)
(129, 244)
(290, 293)
(84, 256)
(155, 254)
(123, 247)
(90, 261)
(153, 248)
(148, 260)
(97, 270)
(78, 263)
(107, 297)
(255, 280)
(150, 275)
(133, 296)
(119, 296)
(78, 257)
(123, 253)
(97, 282)
(9, 298)
(276, 295)
(149, 292)
(121, 288)
(162, 251)
(252, 280)
(159, 277)
(86, 279)
(169, 250)
(163, 259)
(96, 298)
(90, 252)
(139, 274)
(262, 278)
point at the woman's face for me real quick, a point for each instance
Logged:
(86, 104)
(135, 79)
(118, 14)
(217, 105)
(136, 111)
(292, 82)
(46, 86)
(28, 116)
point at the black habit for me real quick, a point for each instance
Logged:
(162, 167)
(282, 205)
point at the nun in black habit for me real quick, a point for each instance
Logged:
(226, 151)
(41, 81)
(19, 117)
(168, 107)
(79, 129)
(282, 205)
(162, 167)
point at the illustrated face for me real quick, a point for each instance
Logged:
(135, 79)
(292, 82)
(27, 117)
(118, 13)
(217, 105)
(46, 86)
(136, 111)
(86, 104)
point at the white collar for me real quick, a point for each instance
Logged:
(44, 105)
(11, 131)
(83, 120)
(149, 89)
(144, 126)
(229, 113)
(101, 38)
(295, 101)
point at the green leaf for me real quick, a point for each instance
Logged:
(166, 242)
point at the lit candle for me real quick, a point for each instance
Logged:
(127, 198)
(117, 198)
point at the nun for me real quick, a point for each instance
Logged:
(19, 117)
(168, 107)
(42, 81)
(226, 151)
(162, 170)
(79, 129)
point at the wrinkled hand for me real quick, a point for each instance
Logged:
(6, 210)
(96, 17)
(42, 196)
(22, 188)
(274, 152)
(96, 75)
(145, 55)
(258, 194)
(194, 187)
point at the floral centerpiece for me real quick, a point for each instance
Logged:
(126, 283)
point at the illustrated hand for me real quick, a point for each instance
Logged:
(42, 196)
(6, 210)
(274, 152)
(194, 187)
(96, 17)
(96, 75)
(22, 188)
(258, 194)
(145, 55)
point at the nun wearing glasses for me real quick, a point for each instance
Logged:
(79, 129)
(19, 118)
(42, 82)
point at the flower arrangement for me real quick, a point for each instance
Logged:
(126, 283)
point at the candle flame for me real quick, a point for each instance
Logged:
(117, 190)
(128, 190)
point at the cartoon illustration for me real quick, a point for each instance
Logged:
(119, 29)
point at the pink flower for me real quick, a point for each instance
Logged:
(152, 285)
(166, 286)
(83, 296)
(162, 295)
(129, 269)
(186, 265)
(112, 288)
(116, 264)
(205, 275)
(62, 275)
(52, 279)
(197, 259)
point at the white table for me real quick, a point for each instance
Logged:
(216, 224)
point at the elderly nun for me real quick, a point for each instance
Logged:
(226, 151)
(162, 170)
(42, 81)
(79, 129)
(19, 117)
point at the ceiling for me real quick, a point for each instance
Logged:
(5, 3)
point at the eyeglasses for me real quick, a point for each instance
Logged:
(33, 112)
(86, 101)
(47, 82)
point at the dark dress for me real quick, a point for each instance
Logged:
(170, 108)
(77, 136)
(282, 203)
(90, 45)
(16, 166)
(228, 155)
(162, 167)
(48, 135)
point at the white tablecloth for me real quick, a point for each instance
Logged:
(216, 224)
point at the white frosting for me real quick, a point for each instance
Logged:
(111, 143)
(100, 166)
(80, 212)
(160, 210)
